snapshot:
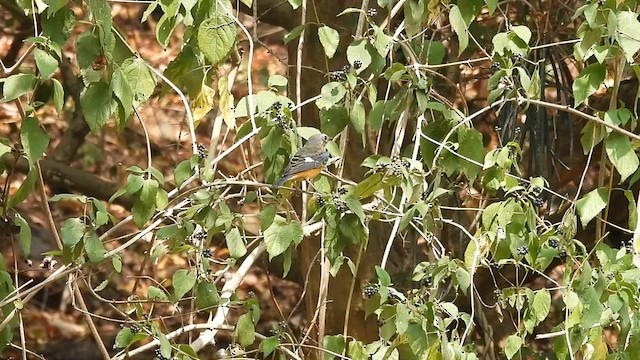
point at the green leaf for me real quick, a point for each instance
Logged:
(541, 304)
(183, 281)
(245, 330)
(629, 34)
(357, 116)
(216, 37)
(354, 205)
(276, 81)
(588, 82)
(235, 243)
(97, 104)
(165, 27)
(459, 27)
(333, 120)
(46, 63)
(471, 147)
(512, 345)
(25, 234)
(333, 343)
(72, 231)
(279, 237)
(293, 34)
(368, 186)
(34, 139)
(622, 155)
(124, 338)
(383, 276)
(207, 295)
(331, 93)
(87, 49)
(464, 279)
(140, 79)
(523, 33)
(357, 51)
(25, 189)
(267, 214)
(17, 85)
(182, 172)
(116, 261)
(269, 344)
(295, 3)
(154, 293)
(58, 95)
(591, 204)
(94, 247)
(329, 38)
(145, 206)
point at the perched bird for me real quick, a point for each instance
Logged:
(308, 162)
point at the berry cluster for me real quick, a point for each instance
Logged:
(601, 2)
(207, 253)
(340, 75)
(539, 202)
(395, 167)
(395, 295)
(426, 282)
(134, 329)
(495, 66)
(159, 355)
(278, 116)
(517, 130)
(202, 151)
(553, 243)
(198, 237)
(628, 246)
(611, 276)
(517, 58)
(370, 291)
(372, 12)
(321, 201)
(341, 191)
(522, 250)
(357, 64)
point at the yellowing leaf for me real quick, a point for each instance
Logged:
(202, 104)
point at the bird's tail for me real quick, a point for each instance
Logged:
(282, 180)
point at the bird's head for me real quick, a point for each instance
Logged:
(318, 141)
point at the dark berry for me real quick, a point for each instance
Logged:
(283, 324)
(427, 282)
(495, 66)
(563, 255)
(251, 294)
(202, 151)
(357, 64)
(346, 68)
(539, 202)
(134, 329)
(370, 291)
(341, 206)
(277, 106)
(523, 250)
(537, 190)
(145, 316)
(335, 76)
(320, 201)
(199, 235)
(517, 130)
(517, 58)
(341, 191)
(610, 276)
(553, 243)
(207, 253)
(497, 128)
(372, 12)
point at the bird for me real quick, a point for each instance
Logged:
(308, 162)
